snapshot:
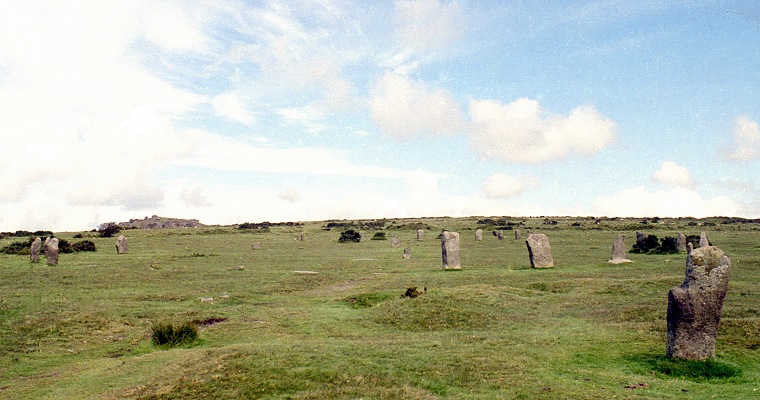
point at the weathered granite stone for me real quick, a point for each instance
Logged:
(618, 251)
(500, 234)
(395, 242)
(121, 245)
(703, 242)
(478, 234)
(640, 237)
(694, 308)
(420, 234)
(407, 253)
(517, 234)
(35, 250)
(301, 237)
(450, 250)
(539, 251)
(256, 246)
(51, 251)
(681, 242)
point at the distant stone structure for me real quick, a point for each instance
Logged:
(156, 222)
(681, 242)
(450, 250)
(517, 234)
(395, 242)
(478, 234)
(539, 251)
(121, 245)
(51, 251)
(256, 246)
(618, 251)
(35, 250)
(703, 242)
(695, 307)
(407, 253)
(420, 234)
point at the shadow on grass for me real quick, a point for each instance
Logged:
(712, 370)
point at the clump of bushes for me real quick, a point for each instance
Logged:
(108, 229)
(350, 235)
(379, 236)
(84, 245)
(652, 245)
(166, 334)
(24, 248)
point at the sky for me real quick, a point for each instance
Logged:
(249, 111)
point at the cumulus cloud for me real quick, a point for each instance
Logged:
(194, 197)
(673, 174)
(290, 195)
(680, 202)
(522, 131)
(503, 186)
(745, 144)
(404, 108)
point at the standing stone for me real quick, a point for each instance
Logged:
(121, 245)
(35, 250)
(256, 246)
(539, 251)
(694, 308)
(681, 242)
(478, 234)
(361, 236)
(301, 237)
(51, 251)
(395, 242)
(640, 237)
(618, 251)
(450, 250)
(407, 253)
(420, 234)
(500, 234)
(703, 242)
(517, 234)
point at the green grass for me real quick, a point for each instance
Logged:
(317, 319)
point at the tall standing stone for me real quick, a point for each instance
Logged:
(407, 253)
(703, 242)
(539, 251)
(301, 237)
(121, 245)
(618, 251)
(450, 250)
(517, 234)
(695, 307)
(35, 250)
(478, 234)
(681, 242)
(420, 234)
(51, 251)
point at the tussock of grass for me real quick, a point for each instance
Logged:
(166, 334)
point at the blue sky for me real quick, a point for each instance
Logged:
(234, 111)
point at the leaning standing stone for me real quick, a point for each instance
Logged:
(695, 307)
(450, 250)
(539, 251)
(681, 242)
(121, 245)
(618, 251)
(51, 251)
(420, 234)
(407, 253)
(703, 242)
(35, 250)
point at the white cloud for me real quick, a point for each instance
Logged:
(522, 131)
(503, 186)
(230, 106)
(290, 195)
(673, 174)
(403, 108)
(194, 197)
(746, 140)
(680, 202)
(172, 27)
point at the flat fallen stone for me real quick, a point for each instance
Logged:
(306, 272)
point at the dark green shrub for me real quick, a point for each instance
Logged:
(166, 334)
(20, 248)
(668, 245)
(84, 245)
(649, 243)
(350, 235)
(64, 247)
(108, 229)
(379, 236)
(694, 240)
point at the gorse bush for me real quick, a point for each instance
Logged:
(166, 334)
(350, 235)
(379, 236)
(108, 229)
(84, 245)
(652, 245)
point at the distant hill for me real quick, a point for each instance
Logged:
(156, 222)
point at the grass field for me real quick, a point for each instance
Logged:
(318, 319)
